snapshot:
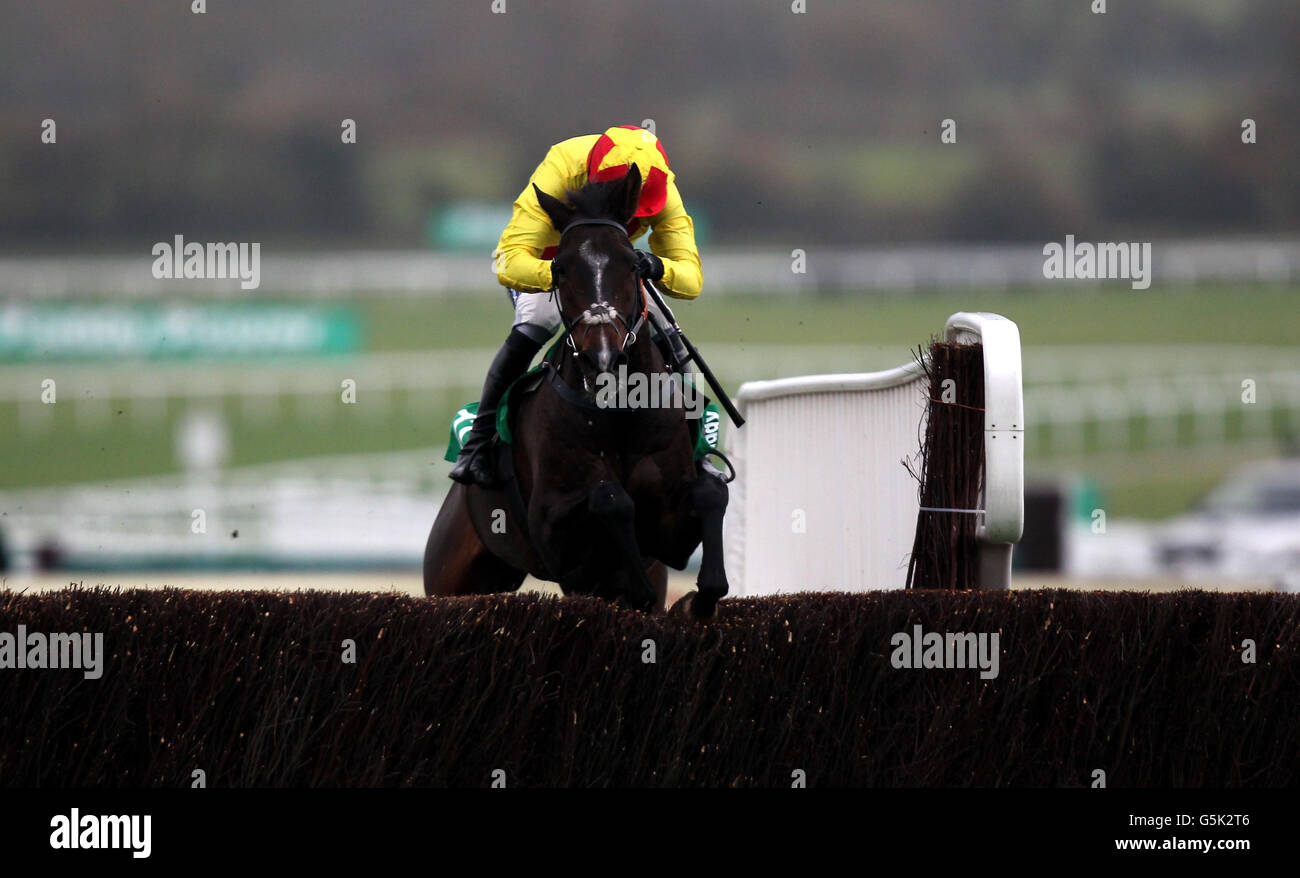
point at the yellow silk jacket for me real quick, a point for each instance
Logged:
(523, 255)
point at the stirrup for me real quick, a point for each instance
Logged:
(714, 471)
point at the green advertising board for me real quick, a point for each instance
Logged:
(31, 332)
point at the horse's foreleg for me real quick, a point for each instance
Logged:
(610, 504)
(657, 572)
(709, 497)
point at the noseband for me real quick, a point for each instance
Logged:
(603, 313)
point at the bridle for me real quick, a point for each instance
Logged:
(606, 313)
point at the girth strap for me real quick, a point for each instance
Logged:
(569, 394)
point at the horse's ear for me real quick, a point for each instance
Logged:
(559, 212)
(631, 194)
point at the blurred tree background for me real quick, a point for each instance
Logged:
(821, 127)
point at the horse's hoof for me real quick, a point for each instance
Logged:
(687, 608)
(682, 608)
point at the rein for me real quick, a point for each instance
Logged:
(587, 319)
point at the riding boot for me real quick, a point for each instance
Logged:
(476, 462)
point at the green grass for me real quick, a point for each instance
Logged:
(1152, 484)
(1217, 315)
(886, 325)
(121, 446)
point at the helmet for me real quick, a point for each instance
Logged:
(623, 146)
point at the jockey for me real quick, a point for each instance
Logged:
(523, 259)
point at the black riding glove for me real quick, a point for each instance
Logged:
(649, 265)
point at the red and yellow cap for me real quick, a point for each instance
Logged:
(623, 146)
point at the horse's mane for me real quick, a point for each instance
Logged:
(596, 200)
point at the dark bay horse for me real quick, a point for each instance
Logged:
(603, 498)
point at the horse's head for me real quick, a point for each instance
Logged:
(594, 269)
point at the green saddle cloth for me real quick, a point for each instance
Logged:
(705, 429)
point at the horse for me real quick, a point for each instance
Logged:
(599, 499)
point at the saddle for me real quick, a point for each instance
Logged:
(705, 430)
(487, 505)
